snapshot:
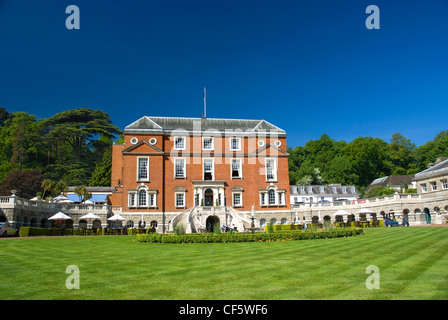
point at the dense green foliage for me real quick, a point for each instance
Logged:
(362, 160)
(71, 148)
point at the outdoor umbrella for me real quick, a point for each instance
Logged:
(60, 198)
(364, 210)
(116, 217)
(60, 217)
(89, 216)
(341, 213)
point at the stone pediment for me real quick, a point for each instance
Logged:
(268, 150)
(143, 148)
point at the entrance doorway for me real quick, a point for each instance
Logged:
(427, 216)
(211, 222)
(208, 198)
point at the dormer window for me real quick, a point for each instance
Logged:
(207, 143)
(235, 144)
(179, 143)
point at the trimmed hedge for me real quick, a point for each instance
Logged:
(248, 237)
(34, 231)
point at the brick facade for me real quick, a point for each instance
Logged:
(223, 163)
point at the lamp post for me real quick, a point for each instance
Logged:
(252, 217)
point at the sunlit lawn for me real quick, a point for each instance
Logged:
(412, 264)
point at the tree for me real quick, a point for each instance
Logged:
(27, 183)
(80, 128)
(46, 185)
(340, 171)
(401, 153)
(102, 174)
(4, 115)
(20, 143)
(83, 193)
(368, 159)
(430, 151)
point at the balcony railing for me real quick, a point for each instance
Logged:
(12, 202)
(389, 198)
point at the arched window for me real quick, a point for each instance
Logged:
(142, 198)
(130, 224)
(271, 196)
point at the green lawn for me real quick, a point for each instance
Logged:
(412, 264)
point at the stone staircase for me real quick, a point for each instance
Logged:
(194, 219)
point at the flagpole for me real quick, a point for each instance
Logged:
(205, 103)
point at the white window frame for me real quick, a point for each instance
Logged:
(152, 197)
(138, 169)
(269, 197)
(213, 168)
(240, 170)
(150, 200)
(263, 196)
(139, 204)
(231, 139)
(240, 204)
(184, 160)
(132, 199)
(424, 187)
(184, 143)
(279, 197)
(433, 185)
(274, 170)
(444, 183)
(176, 198)
(212, 145)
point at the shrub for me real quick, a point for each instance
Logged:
(32, 231)
(248, 237)
(179, 229)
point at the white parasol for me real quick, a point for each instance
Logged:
(60, 216)
(90, 216)
(116, 217)
(364, 210)
(341, 213)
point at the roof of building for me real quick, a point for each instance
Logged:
(169, 124)
(440, 166)
(329, 190)
(391, 180)
(94, 189)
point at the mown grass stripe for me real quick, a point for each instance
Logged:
(121, 268)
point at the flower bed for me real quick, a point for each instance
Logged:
(248, 237)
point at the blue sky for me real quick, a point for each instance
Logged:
(310, 67)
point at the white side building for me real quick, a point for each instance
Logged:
(300, 194)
